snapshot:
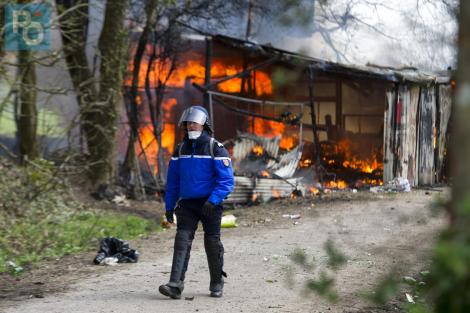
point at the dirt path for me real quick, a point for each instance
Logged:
(376, 232)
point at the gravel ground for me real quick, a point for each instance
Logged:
(376, 232)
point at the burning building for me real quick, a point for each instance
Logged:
(284, 115)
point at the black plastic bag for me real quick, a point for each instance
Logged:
(117, 248)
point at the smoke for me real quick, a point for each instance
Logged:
(389, 33)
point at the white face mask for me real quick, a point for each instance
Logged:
(194, 134)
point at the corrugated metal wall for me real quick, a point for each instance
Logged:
(415, 125)
(426, 132)
(445, 108)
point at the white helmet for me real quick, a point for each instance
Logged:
(196, 114)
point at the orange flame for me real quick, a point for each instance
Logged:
(147, 136)
(265, 174)
(195, 70)
(258, 150)
(305, 163)
(271, 129)
(314, 190)
(275, 193)
(367, 165)
(340, 184)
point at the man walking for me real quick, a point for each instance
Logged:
(199, 178)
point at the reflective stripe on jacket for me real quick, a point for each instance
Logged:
(194, 173)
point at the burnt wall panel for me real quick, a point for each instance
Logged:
(389, 135)
(407, 150)
(427, 117)
(412, 132)
(445, 108)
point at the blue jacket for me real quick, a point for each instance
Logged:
(195, 174)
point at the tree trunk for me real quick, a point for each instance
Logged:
(100, 129)
(27, 116)
(132, 111)
(461, 114)
(98, 111)
(450, 281)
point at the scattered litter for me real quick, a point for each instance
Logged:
(354, 190)
(265, 259)
(228, 221)
(424, 273)
(110, 261)
(291, 216)
(14, 268)
(296, 223)
(271, 281)
(189, 298)
(398, 184)
(111, 247)
(409, 280)
(121, 200)
(106, 192)
(376, 189)
(409, 298)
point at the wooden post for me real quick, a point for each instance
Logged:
(211, 112)
(207, 77)
(314, 119)
(339, 103)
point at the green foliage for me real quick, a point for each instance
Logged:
(449, 279)
(300, 258)
(39, 219)
(417, 308)
(31, 239)
(336, 258)
(324, 284)
(48, 121)
(385, 290)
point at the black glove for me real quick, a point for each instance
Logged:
(169, 216)
(208, 208)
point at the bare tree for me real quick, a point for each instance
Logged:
(159, 48)
(26, 114)
(450, 281)
(98, 96)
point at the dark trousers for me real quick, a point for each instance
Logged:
(188, 214)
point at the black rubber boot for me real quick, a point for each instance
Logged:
(169, 291)
(182, 247)
(215, 259)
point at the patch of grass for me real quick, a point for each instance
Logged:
(32, 239)
(48, 123)
(39, 218)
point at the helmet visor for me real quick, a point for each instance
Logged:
(193, 115)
